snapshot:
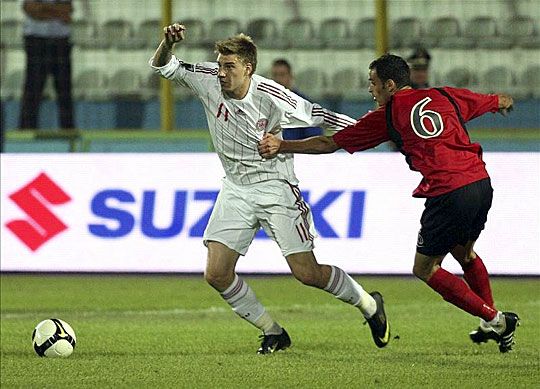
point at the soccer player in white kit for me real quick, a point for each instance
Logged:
(240, 107)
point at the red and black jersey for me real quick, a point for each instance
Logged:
(428, 127)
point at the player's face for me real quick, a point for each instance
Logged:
(419, 76)
(379, 90)
(234, 75)
(282, 75)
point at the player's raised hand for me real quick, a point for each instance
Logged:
(506, 104)
(269, 145)
(174, 34)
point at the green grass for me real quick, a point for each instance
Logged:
(165, 332)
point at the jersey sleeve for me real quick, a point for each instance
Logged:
(299, 112)
(185, 74)
(368, 132)
(471, 104)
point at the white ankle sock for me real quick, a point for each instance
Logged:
(498, 323)
(244, 303)
(348, 290)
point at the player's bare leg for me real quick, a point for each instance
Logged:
(220, 274)
(334, 280)
(454, 290)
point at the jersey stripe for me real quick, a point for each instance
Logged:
(277, 93)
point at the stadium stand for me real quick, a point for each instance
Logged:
(91, 85)
(151, 85)
(364, 33)
(265, 33)
(300, 34)
(11, 86)
(126, 84)
(195, 33)
(312, 82)
(148, 35)
(459, 77)
(530, 80)
(119, 34)
(221, 29)
(439, 30)
(335, 33)
(498, 79)
(349, 84)
(111, 37)
(406, 33)
(11, 36)
(83, 34)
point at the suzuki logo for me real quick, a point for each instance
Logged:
(34, 199)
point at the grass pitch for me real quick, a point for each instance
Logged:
(176, 332)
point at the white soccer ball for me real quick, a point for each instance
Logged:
(53, 338)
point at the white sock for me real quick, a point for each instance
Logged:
(498, 323)
(243, 301)
(484, 326)
(348, 290)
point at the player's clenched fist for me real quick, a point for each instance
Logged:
(269, 145)
(173, 34)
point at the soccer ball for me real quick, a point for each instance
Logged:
(53, 338)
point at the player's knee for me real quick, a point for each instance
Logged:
(219, 281)
(421, 271)
(308, 277)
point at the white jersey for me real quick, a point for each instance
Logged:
(236, 126)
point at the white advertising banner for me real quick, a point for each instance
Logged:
(147, 213)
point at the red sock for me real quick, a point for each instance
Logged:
(454, 290)
(477, 277)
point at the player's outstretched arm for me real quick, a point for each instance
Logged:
(506, 104)
(270, 145)
(171, 34)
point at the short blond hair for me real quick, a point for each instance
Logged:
(241, 45)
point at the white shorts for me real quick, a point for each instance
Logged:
(274, 205)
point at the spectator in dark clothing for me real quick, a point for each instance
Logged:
(281, 73)
(419, 64)
(48, 51)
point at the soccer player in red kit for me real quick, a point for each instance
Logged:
(428, 127)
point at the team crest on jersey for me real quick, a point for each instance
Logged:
(261, 124)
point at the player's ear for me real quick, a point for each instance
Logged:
(390, 85)
(249, 69)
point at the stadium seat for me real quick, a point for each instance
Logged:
(151, 86)
(195, 33)
(149, 34)
(474, 30)
(300, 34)
(483, 30)
(335, 33)
(349, 84)
(265, 33)
(440, 30)
(312, 82)
(83, 34)
(90, 85)
(524, 32)
(511, 32)
(459, 77)
(126, 84)
(12, 84)
(498, 79)
(11, 36)
(118, 33)
(406, 33)
(221, 29)
(530, 81)
(363, 33)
